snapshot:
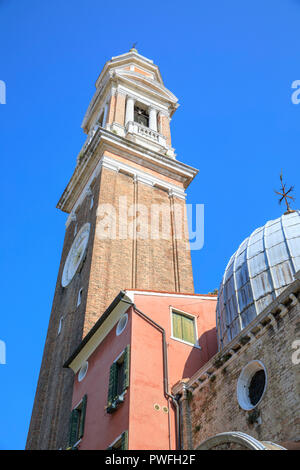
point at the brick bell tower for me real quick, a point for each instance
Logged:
(126, 206)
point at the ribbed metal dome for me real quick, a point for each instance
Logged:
(257, 273)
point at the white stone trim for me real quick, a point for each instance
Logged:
(243, 384)
(84, 193)
(129, 114)
(234, 437)
(120, 328)
(104, 140)
(142, 176)
(144, 98)
(99, 335)
(115, 441)
(79, 297)
(83, 371)
(131, 294)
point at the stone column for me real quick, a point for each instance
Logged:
(153, 119)
(129, 116)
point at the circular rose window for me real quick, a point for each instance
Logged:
(251, 385)
(76, 254)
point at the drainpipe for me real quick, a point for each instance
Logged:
(165, 363)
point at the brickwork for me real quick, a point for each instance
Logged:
(111, 110)
(110, 265)
(120, 109)
(133, 261)
(214, 407)
(54, 390)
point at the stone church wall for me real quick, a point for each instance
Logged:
(209, 399)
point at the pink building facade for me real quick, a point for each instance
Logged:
(126, 366)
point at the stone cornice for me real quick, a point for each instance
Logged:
(104, 140)
(129, 58)
(147, 84)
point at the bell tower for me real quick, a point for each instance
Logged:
(126, 225)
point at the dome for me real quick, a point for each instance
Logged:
(263, 265)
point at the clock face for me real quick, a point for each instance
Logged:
(75, 255)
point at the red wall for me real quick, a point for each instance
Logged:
(148, 428)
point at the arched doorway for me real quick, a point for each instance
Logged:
(236, 441)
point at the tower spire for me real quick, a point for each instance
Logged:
(133, 47)
(284, 195)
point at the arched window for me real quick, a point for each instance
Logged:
(60, 325)
(79, 298)
(141, 115)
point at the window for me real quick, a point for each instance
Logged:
(251, 385)
(121, 442)
(122, 324)
(83, 371)
(77, 420)
(183, 327)
(256, 387)
(141, 116)
(101, 118)
(118, 381)
(60, 325)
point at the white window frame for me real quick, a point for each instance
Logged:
(80, 379)
(243, 383)
(189, 315)
(118, 330)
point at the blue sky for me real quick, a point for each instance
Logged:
(230, 63)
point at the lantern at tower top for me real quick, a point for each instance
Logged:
(132, 102)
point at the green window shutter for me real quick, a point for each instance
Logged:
(188, 329)
(74, 422)
(82, 417)
(112, 386)
(126, 368)
(124, 440)
(177, 325)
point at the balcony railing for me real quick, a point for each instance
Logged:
(143, 131)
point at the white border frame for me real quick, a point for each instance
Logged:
(243, 383)
(118, 333)
(60, 325)
(79, 296)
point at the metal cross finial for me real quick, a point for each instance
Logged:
(284, 195)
